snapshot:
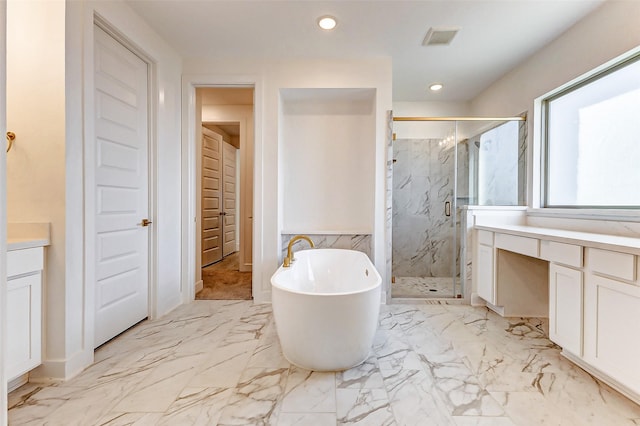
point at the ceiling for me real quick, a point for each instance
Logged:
(230, 129)
(494, 36)
(226, 96)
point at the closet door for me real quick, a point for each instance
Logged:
(211, 197)
(229, 213)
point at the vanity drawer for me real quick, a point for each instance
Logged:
(24, 261)
(517, 244)
(485, 237)
(612, 263)
(567, 254)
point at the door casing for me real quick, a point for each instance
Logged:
(189, 176)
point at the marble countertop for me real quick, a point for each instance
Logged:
(24, 243)
(588, 239)
(27, 235)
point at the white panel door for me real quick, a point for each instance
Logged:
(229, 196)
(122, 199)
(211, 197)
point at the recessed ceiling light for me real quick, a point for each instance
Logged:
(327, 22)
(435, 87)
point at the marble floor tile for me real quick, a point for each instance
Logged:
(268, 352)
(130, 419)
(394, 352)
(223, 365)
(197, 407)
(364, 407)
(38, 406)
(519, 407)
(483, 421)
(220, 363)
(162, 386)
(307, 419)
(413, 400)
(256, 399)
(309, 392)
(364, 376)
(423, 287)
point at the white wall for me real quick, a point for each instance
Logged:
(274, 75)
(606, 33)
(328, 166)
(3, 218)
(53, 67)
(422, 130)
(36, 164)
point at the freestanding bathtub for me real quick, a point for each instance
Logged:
(326, 307)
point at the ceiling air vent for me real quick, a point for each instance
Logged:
(439, 36)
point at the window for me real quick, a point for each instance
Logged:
(592, 141)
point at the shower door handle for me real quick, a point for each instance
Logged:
(447, 208)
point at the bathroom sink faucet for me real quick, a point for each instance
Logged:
(289, 259)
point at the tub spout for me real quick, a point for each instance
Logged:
(289, 259)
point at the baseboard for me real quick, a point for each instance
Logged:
(477, 300)
(199, 286)
(61, 370)
(497, 309)
(262, 297)
(17, 382)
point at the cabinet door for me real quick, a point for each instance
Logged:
(565, 308)
(612, 323)
(24, 342)
(485, 273)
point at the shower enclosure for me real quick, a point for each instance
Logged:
(439, 166)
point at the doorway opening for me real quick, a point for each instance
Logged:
(224, 176)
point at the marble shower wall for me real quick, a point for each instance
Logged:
(422, 183)
(503, 180)
(359, 242)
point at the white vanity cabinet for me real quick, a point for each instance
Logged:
(565, 307)
(24, 310)
(612, 316)
(593, 296)
(485, 270)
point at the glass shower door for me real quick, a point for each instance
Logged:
(424, 247)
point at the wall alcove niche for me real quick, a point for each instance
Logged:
(327, 156)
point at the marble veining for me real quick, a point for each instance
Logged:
(358, 242)
(216, 362)
(423, 287)
(422, 182)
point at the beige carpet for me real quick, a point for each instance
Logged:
(224, 281)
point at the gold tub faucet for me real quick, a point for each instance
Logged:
(289, 259)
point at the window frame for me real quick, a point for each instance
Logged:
(543, 110)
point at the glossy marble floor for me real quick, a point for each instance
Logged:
(219, 362)
(423, 287)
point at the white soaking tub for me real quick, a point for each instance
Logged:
(326, 307)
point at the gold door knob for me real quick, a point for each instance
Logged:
(146, 222)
